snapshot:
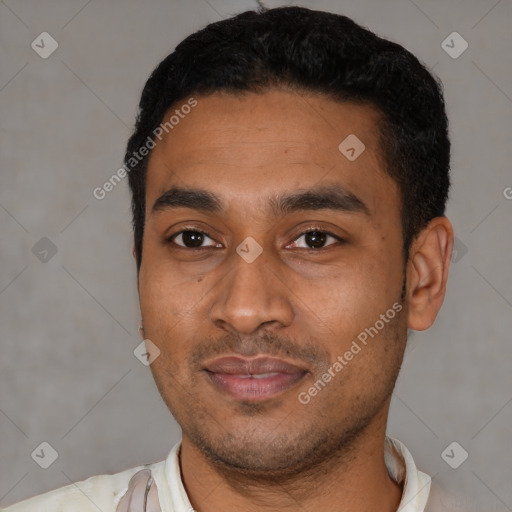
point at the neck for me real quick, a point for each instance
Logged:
(356, 480)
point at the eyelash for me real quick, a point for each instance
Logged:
(313, 229)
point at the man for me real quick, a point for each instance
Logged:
(289, 172)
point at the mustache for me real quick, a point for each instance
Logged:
(265, 343)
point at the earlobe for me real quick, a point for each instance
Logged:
(427, 272)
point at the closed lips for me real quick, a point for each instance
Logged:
(261, 367)
(253, 379)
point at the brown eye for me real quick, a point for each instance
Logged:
(315, 239)
(190, 239)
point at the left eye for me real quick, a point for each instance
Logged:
(315, 239)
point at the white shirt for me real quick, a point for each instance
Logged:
(104, 492)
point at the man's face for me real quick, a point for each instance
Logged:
(303, 300)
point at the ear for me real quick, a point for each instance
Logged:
(427, 272)
(133, 250)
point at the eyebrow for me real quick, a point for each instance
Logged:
(332, 197)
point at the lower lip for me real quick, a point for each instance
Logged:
(254, 389)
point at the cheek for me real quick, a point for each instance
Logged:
(162, 304)
(352, 300)
(172, 308)
(365, 282)
(162, 285)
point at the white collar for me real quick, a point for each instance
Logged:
(401, 468)
(398, 459)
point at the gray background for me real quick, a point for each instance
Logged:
(69, 325)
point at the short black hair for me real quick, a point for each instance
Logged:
(310, 51)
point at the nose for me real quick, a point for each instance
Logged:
(252, 295)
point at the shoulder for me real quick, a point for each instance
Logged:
(99, 492)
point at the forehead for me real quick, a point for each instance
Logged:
(250, 146)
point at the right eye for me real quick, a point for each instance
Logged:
(190, 239)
